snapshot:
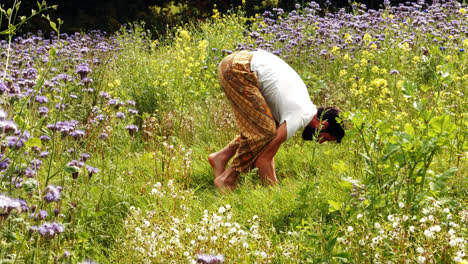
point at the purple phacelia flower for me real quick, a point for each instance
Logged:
(130, 102)
(78, 134)
(9, 205)
(41, 99)
(131, 129)
(120, 115)
(43, 111)
(5, 163)
(84, 157)
(44, 137)
(52, 193)
(83, 70)
(76, 163)
(44, 154)
(91, 171)
(103, 135)
(3, 115)
(104, 95)
(8, 127)
(49, 230)
(30, 172)
(394, 72)
(210, 259)
(42, 214)
(36, 164)
(132, 111)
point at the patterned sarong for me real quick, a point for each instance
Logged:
(254, 119)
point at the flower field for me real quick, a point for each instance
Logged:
(105, 138)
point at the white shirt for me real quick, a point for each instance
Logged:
(284, 91)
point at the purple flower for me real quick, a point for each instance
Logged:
(9, 205)
(76, 163)
(30, 172)
(44, 137)
(394, 72)
(41, 99)
(84, 157)
(131, 129)
(36, 164)
(130, 102)
(91, 171)
(49, 230)
(210, 259)
(83, 70)
(104, 95)
(103, 136)
(4, 163)
(8, 127)
(43, 111)
(42, 214)
(78, 134)
(120, 115)
(52, 193)
(132, 111)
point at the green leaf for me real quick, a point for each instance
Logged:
(333, 206)
(34, 142)
(53, 25)
(72, 169)
(441, 125)
(19, 121)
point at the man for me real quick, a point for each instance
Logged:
(270, 104)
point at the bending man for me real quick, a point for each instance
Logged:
(270, 104)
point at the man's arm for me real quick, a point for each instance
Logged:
(264, 163)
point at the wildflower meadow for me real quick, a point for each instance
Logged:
(105, 138)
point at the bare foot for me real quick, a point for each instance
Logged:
(218, 165)
(227, 181)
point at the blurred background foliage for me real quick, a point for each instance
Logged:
(158, 15)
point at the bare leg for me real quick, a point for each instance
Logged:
(227, 181)
(219, 160)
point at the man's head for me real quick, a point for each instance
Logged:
(325, 126)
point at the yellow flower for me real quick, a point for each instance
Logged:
(202, 44)
(111, 85)
(348, 38)
(373, 46)
(379, 83)
(342, 73)
(364, 63)
(117, 82)
(415, 59)
(462, 11)
(390, 16)
(465, 43)
(375, 69)
(346, 57)
(185, 35)
(367, 37)
(335, 50)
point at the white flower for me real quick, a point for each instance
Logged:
(377, 225)
(390, 218)
(192, 242)
(401, 205)
(350, 229)
(420, 250)
(423, 220)
(457, 259)
(255, 217)
(188, 230)
(435, 228)
(359, 216)
(186, 254)
(157, 185)
(446, 210)
(430, 218)
(453, 243)
(428, 233)
(245, 245)
(214, 238)
(411, 229)
(405, 218)
(263, 254)
(222, 210)
(421, 259)
(228, 206)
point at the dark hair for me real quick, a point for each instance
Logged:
(334, 128)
